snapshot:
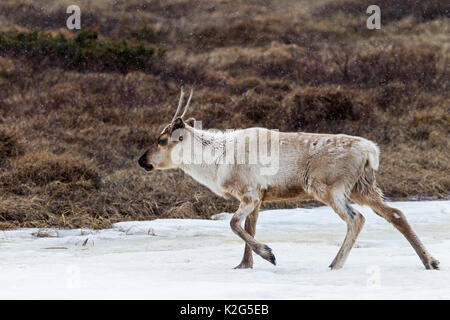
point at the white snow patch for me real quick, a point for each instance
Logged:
(193, 259)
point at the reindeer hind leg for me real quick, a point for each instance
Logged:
(355, 222)
(398, 220)
(335, 198)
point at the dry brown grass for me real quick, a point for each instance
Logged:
(42, 168)
(69, 140)
(392, 9)
(9, 145)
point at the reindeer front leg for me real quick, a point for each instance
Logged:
(249, 202)
(250, 227)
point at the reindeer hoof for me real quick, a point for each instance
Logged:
(272, 259)
(335, 267)
(268, 255)
(433, 265)
(243, 265)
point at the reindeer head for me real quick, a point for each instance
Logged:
(170, 140)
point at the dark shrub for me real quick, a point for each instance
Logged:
(240, 86)
(83, 52)
(326, 109)
(261, 110)
(9, 145)
(247, 32)
(391, 10)
(144, 33)
(380, 65)
(281, 61)
(42, 168)
(392, 96)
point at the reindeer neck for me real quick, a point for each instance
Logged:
(207, 143)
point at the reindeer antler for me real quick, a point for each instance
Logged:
(187, 104)
(179, 104)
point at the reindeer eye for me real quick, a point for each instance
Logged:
(162, 142)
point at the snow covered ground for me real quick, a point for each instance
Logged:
(194, 259)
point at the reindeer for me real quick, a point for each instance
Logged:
(332, 169)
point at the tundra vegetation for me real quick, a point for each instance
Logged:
(77, 109)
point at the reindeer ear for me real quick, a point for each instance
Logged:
(190, 122)
(178, 124)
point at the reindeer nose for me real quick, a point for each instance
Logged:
(149, 167)
(143, 162)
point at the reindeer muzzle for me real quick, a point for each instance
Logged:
(143, 163)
